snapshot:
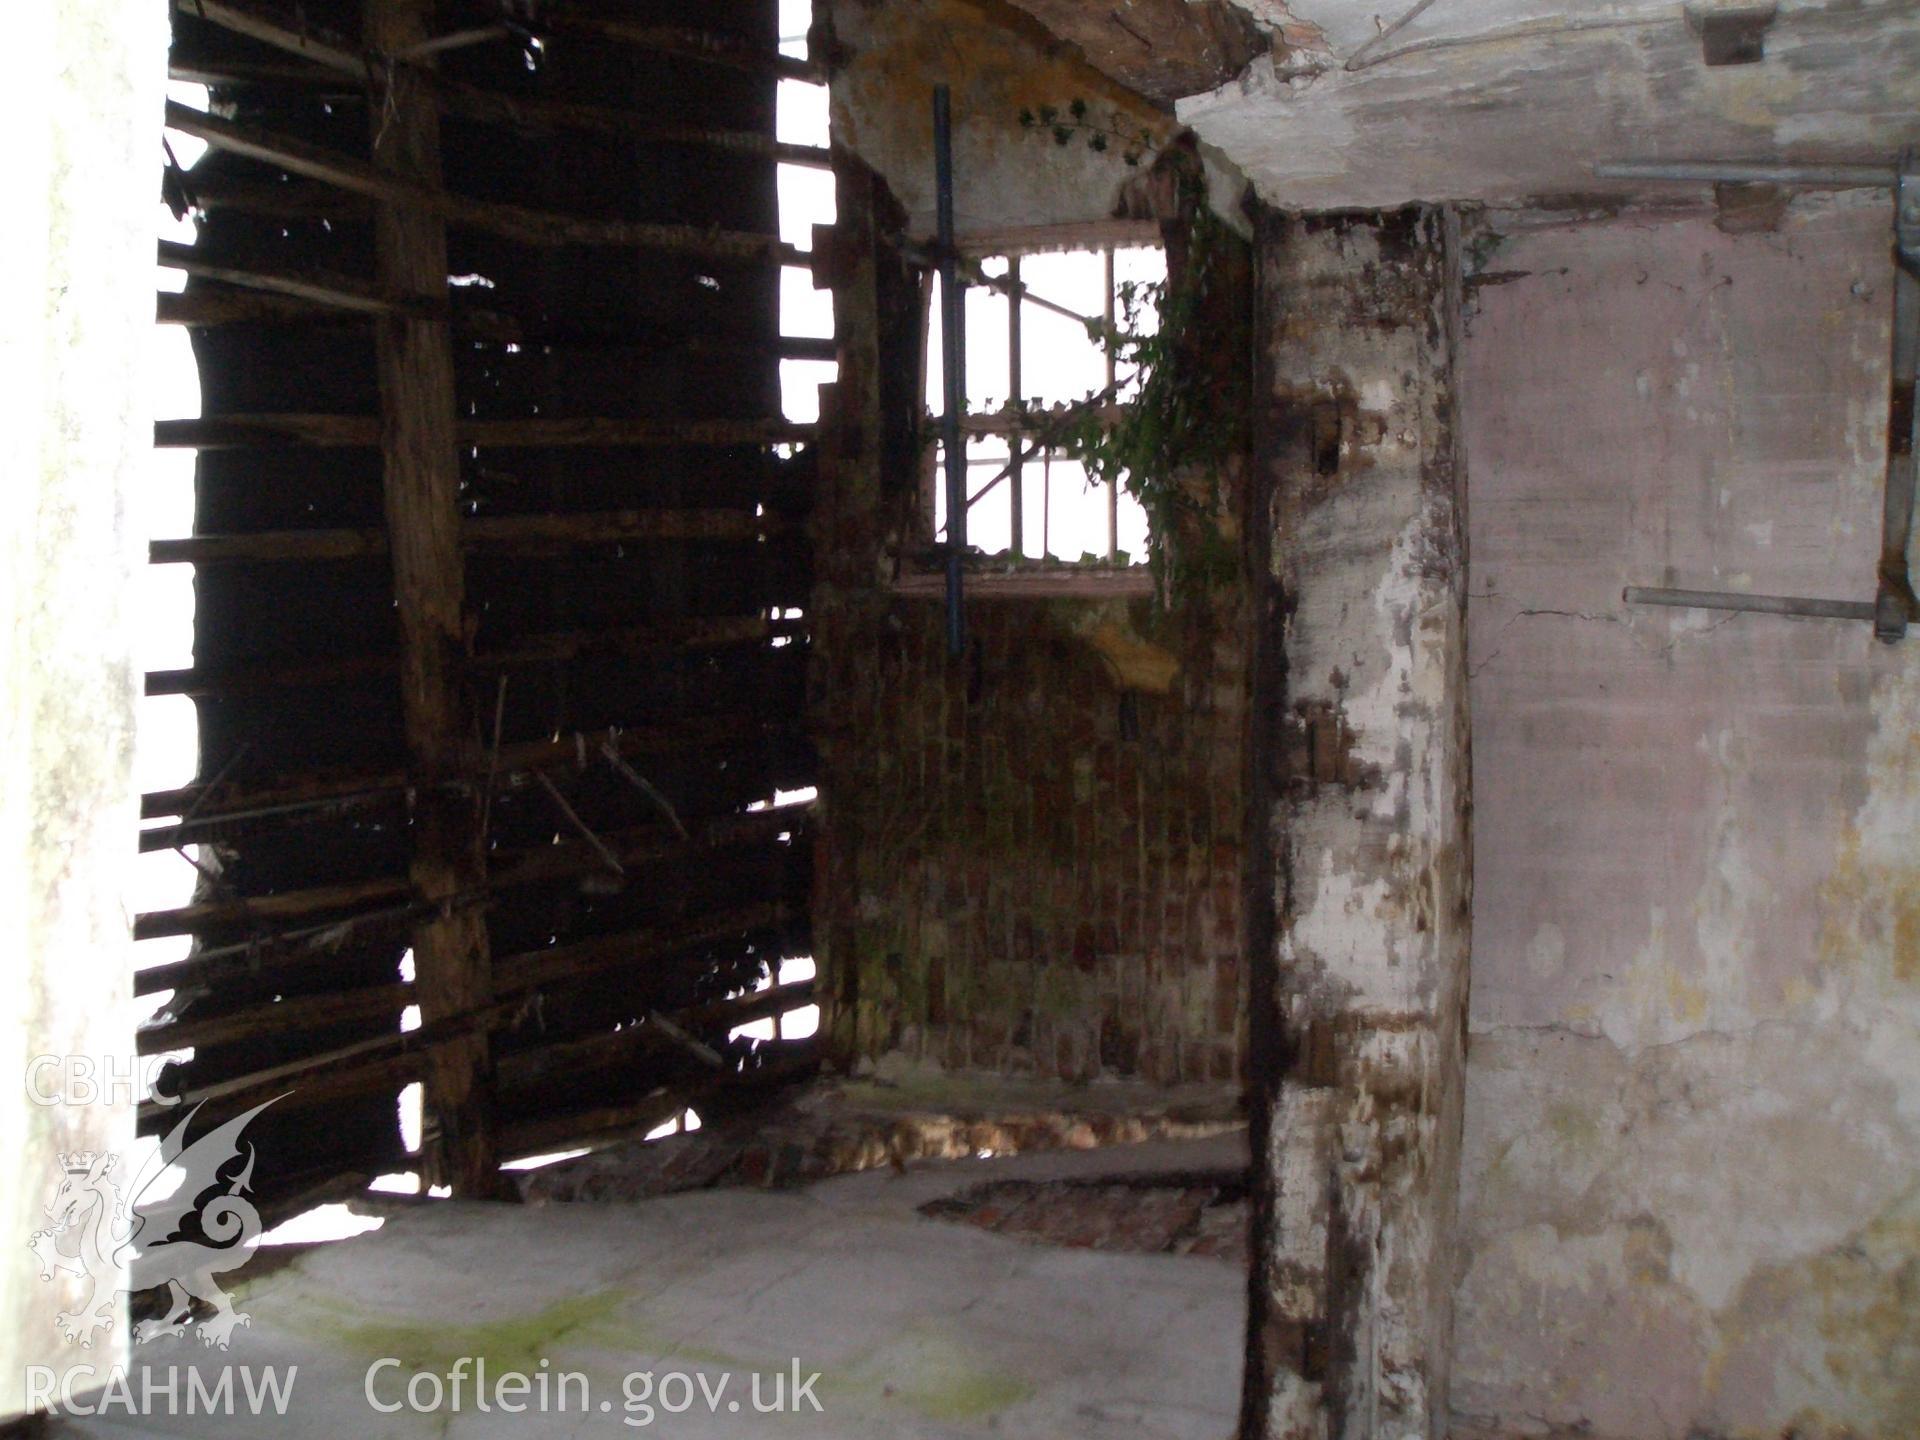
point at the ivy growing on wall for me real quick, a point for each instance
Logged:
(1170, 438)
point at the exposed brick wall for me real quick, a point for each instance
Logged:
(1048, 867)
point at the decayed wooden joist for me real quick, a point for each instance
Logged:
(205, 307)
(339, 292)
(277, 75)
(228, 432)
(558, 535)
(459, 98)
(605, 1049)
(280, 199)
(555, 1132)
(685, 42)
(523, 535)
(380, 1064)
(513, 222)
(470, 102)
(314, 1011)
(540, 865)
(631, 640)
(294, 36)
(544, 969)
(269, 546)
(231, 801)
(267, 910)
(420, 457)
(634, 849)
(287, 951)
(281, 675)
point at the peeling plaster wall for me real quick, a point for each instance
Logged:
(894, 53)
(1360, 1116)
(1506, 100)
(82, 112)
(1691, 1186)
(998, 61)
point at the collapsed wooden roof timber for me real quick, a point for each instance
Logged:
(618, 511)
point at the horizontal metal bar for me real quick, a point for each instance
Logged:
(1732, 172)
(1757, 604)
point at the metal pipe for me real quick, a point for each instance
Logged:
(1016, 384)
(953, 356)
(1896, 599)
(1708, 172)
(970, 271)
(1757, 604)
(1113, 486)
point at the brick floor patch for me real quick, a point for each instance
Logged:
(1201, 1213)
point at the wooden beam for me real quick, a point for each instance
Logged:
(295, 1012)
(558, 535)
(331, 787)
(339, 292)
(603, 1050)
(272, 675)
(513, 222)
(264, 911)
(269, 546)
(280, 199)
(208, 308)
(420, 448)
(287, 952)
(629, 640)
(795, 1061)
(544, 969)
(227, 432)
(469, 101)
(535, 535)
(290, 34)
(711, 47)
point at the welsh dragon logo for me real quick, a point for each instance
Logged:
(182, 1239)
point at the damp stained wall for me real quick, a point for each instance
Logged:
(1036, 848)
(998, 62)
(82, 115)
(1357, 1078)
(1691, 1184)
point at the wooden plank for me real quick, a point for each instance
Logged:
(339, 292)
(229, 432)
(420, 450)
(460, 98)
(583, 1056)
(711, 47)
(559, 535)
(543, 969)
(279, 675)
(326, 787)
(296, 1012)
(290, 34)
(629, 640)
(525, 535)
(206, 308)
(539, 865)
(513, 222)
(269, 546)
(543, 1134)
(265, 911)
(470, 102)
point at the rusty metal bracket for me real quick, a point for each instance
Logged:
(1895, 606)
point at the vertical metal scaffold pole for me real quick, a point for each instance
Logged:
(953, 355)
